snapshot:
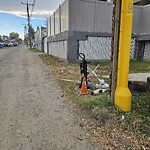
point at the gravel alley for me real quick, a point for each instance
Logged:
(33, 115)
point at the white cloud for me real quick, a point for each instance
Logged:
(38, 14)
(43, 8)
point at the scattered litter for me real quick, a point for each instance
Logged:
(101, 83)
(68, 80)
(90, 85)
(122, 117)
(98, 91)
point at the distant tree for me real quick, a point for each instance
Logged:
(38, 27)
(1, 39)
(5, 37)
(26, 40)
(32, 32)
(14, 35)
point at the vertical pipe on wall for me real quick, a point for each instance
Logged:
(60, 17)
(50, 26)
(123, 94)
(54, 23)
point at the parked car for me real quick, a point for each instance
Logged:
(15, 43)
(1, 46)
(6, 44)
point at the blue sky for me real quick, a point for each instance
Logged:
(13, 15)
(13, 23)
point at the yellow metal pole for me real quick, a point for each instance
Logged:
(123, 94)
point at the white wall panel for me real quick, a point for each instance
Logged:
(52, 25)
(58, 49)
(38, 39)
(57, 22)
(49, 26)
(45, 45)
(64, 16)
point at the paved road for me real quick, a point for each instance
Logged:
(33, 115)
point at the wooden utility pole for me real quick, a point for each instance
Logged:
(29, 27)
(115, 46)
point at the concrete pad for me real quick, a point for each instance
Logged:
(135, 77)
(139, 77)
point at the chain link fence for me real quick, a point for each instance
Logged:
(99, 48)
(147, 51)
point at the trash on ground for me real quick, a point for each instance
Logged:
(101, 83)
(98, 91)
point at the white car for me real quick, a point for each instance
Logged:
(10, 44)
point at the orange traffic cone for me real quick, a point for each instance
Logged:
(83, 87)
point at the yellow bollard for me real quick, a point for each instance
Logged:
(122, 93)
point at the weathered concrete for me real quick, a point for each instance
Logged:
(135, 77)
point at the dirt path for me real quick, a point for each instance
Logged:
(33, 115)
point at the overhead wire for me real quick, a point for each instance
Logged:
(34, 1)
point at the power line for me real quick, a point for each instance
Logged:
(29, 27)
(34, 1)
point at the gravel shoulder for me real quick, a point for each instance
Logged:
(33, 113)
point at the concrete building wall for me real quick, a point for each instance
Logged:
(146, 19)
(137, 19)
(45, 44)
(79, 24)
(90, 16)
(93, 16)
(38, 39)
(49, 26)
(64, 16)
(52, 29)
(79, 18)
(58, 49)
(57, 21)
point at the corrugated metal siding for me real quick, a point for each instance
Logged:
(147, 51)
(58, 49)
(99, 48)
